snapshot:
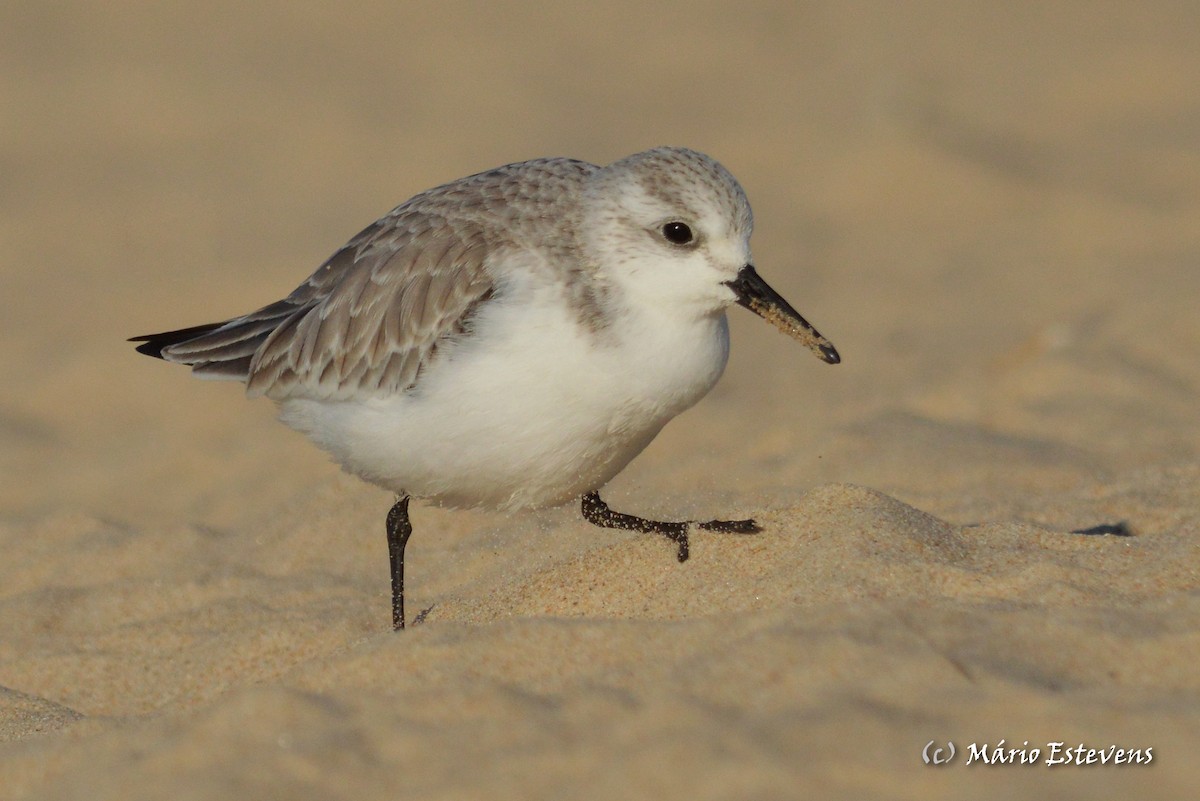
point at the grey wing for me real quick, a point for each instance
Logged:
(373, 315)
(365, 323)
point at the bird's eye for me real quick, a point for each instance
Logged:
(677, 233)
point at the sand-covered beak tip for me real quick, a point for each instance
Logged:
(757, 296)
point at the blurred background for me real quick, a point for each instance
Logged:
(990, 208)
(993, 210)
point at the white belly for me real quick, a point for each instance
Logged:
(531, 411)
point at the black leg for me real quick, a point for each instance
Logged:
(398, 532)
(596, 512)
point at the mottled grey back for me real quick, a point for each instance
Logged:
(374, 313)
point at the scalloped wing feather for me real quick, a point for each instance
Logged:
(376, 312)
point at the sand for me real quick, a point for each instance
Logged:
(990, 209)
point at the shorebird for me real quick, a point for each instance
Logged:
(510, 340)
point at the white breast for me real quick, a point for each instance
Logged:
(532, 410)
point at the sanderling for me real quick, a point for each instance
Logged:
(510, 340)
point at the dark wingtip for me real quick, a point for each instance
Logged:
(153, 344)
(830, 354)
(149, 346)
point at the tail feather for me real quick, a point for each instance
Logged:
(234, 369)
(153, 344)
(218, 350)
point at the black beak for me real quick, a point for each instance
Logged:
(757, 296)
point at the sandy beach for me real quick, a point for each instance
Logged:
(991, 211)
